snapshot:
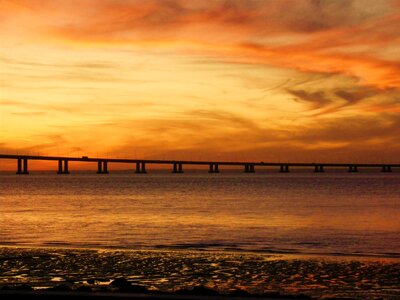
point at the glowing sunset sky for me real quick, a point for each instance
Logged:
(275, 80)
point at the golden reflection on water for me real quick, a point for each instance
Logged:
(331, 213)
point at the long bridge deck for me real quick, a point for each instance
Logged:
(177, 165)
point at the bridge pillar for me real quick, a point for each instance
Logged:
(140, 168)
(177, 168)
(353, 169)
(284, 169)
(99, 167)
(213, 168)
(62, 170)
(319, 169)
(105, 167)
(102, 167)
(252, 169)
(66, 167)
(249, 168)
(22, 166)
(19, 166)
(25, 166)
(386, 169)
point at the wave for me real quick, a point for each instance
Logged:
(212, 247)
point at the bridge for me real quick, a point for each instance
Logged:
(139, 165)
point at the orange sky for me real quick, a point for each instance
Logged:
(275, 80)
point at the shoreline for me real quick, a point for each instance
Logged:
(395, 257)
(163, 271)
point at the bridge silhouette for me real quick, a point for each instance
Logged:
(177, 165)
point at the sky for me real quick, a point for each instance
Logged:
(254, 80)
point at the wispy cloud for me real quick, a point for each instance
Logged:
(310, 36)
(316, 100)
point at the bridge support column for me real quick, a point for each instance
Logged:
(353, 169)
(22, 166)
(386, 169)
(102, 167)
(66, 167)
(60, 167)
(140, 168)
(319, 169)
(252, 170)
(19, 166)
(213, 168)
(177, 168)
(284, 169)
(25, 166)
(62, 170)
(249, 168)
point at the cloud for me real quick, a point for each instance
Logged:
(370, 71)
(360, 139)
(356, 130)
(352, 98)
(315, 99)
(29, 113)
(239, 30)
(202, 134)
(338, 60)
(308, 35)
(11, 102)
(334, 95)
(254, 15)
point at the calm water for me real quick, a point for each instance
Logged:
(299, 213)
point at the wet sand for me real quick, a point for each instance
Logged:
(173, 271)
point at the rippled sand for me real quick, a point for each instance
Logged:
(224, 272)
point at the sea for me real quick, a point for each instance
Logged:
(336, 213)
(298, 215)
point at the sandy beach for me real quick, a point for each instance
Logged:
(72, 270)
